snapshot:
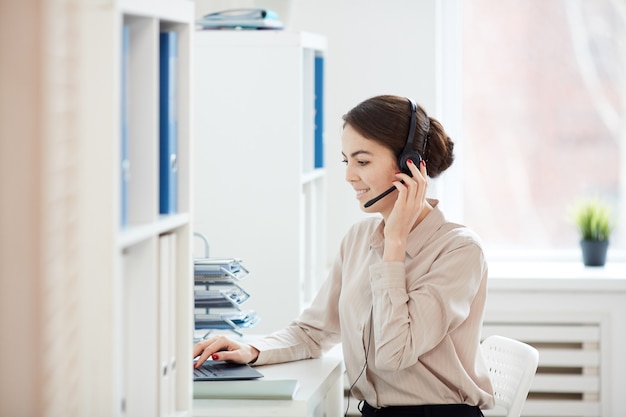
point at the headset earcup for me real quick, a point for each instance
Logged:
(413, 156)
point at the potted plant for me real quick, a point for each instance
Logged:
(593, 220)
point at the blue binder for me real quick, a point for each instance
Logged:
(319, 112)
(168, 129)
(125, 162)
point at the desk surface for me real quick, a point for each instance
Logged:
(316, 377)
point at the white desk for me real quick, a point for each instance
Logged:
(320, 392)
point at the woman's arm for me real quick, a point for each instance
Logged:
(412, 316)
(315, 331)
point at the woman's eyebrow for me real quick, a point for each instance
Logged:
(357, 153)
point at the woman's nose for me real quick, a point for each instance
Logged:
(350, 175)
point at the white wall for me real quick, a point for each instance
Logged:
(375, 47)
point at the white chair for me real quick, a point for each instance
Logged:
(512, 366)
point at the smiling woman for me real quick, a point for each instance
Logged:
(544, 102)
(374, 132)
(406, 293)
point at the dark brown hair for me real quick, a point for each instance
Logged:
(386, 120)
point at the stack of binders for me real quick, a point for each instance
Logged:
(217, 295)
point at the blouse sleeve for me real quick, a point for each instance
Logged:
(313, 333)
(412, 315)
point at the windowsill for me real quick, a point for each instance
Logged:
(556, 276)
(547, 255)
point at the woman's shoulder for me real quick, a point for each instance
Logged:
(455, 236)
(450, 231)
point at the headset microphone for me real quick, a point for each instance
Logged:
(380, 197)
(407, 153)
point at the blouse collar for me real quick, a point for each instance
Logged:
(418, 236)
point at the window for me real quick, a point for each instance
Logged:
(544, 118)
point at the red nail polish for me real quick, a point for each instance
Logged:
(399, 172)
(214, 357)
(410, 161)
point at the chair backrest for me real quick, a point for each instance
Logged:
(512, 366)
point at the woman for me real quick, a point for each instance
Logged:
(406, 293)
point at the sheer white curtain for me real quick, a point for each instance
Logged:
(40, 285)
(61, 246)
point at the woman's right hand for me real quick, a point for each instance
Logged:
(408, 210)
(223, 348)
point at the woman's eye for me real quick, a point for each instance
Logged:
(361, 163)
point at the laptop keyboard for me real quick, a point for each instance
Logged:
(225, 371)
(204, 371)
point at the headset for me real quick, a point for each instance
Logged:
(407, 153)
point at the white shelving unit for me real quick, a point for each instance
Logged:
(258, 193)
(140, 279)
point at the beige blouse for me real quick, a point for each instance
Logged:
(409, 331)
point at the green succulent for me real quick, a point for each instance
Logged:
(593, 220)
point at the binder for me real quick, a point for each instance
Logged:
(319, 112)
(125, 162)
(167, 323)
(168, 129)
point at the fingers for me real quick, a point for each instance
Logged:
(415, 185)
(209, 348)
(420, 179)
(201, 351)
(419, 172)
(224, 349)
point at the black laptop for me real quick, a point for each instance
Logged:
(224, 371)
